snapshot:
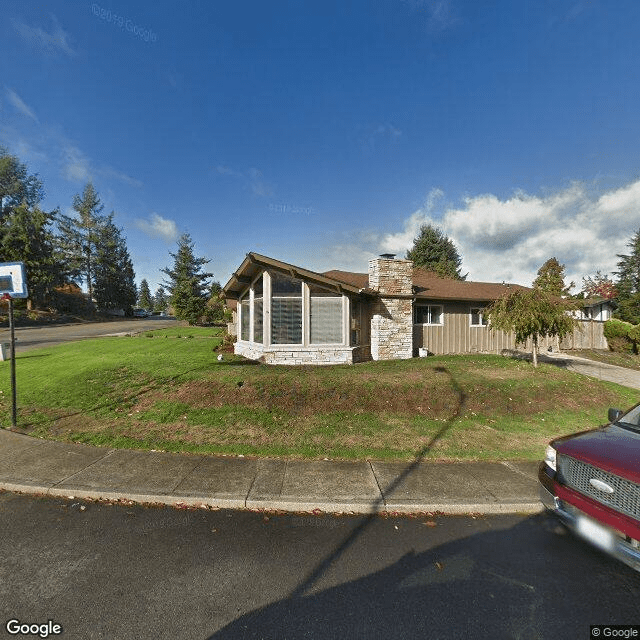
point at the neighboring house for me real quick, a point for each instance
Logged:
(288, 314)
(593, 313)
(598, 309)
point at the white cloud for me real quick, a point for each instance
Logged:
(381, 132)
(439, 14)
(509, 239)
(108, 172)
(158, 227)
(75, 165)
(252, 180)
(20, 105)
(402, 241)
(57, 40)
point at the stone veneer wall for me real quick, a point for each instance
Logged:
(294, 355)
(392, 317)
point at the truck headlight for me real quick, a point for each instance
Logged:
(550, 457)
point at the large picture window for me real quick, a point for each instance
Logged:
(286, 310)
(244, 317)
(325, 316)
(428, 314)
(258, 316)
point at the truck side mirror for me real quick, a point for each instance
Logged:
(614, 414)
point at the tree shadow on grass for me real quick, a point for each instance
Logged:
(327, 562)
(528, 581)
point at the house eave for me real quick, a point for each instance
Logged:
(254, 263)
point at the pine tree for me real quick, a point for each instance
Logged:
(145, 300)
(114, 277)
(25, 233)
(26, 238)
(628, 284)
(432, 250)
(160, 300)
(187, 285)
(551, 278)
(16, 186)
(78, 236)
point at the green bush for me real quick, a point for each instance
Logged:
(622, 337)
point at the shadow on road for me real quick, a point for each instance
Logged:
(323, 566)
(489, 585)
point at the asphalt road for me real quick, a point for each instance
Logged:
(135, 572)
(33, 337)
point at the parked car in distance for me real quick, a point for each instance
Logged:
(591, 481)
(140, 313)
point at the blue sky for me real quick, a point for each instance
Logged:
(325, 133)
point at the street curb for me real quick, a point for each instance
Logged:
(289, 506)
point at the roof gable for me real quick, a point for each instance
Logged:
(427, 285)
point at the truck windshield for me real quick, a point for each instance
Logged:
(631, 418)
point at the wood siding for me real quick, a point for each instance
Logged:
(456, 335)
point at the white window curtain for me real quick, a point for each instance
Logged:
(286, 310)
(244, 318)
(326, 320)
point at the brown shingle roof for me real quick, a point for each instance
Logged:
(430, 286)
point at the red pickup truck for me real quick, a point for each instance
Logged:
(591, 481)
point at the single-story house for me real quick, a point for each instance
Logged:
(598, 309)
(290, 315)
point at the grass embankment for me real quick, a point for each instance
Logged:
(627, 360)
(167, 390)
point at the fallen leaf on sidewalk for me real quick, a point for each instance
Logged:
(430, 523)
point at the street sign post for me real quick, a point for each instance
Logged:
(13, 284)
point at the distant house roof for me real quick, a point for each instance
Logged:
(594, 302)
(427, 285)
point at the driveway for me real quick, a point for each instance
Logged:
(36, 337)
(592, 368)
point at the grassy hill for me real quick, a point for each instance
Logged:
(167, 390)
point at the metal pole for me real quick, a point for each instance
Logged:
(14, 411)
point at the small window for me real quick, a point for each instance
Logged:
(428, 314)
(477, 317)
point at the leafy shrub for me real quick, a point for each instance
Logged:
(622, 337)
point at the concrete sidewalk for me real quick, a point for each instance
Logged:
(32, 465)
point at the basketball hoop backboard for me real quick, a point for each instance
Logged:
(13, 280)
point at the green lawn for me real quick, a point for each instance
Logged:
(167, 390)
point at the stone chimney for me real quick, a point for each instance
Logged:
(392, 313)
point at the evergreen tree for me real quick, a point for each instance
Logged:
(551, 278)
(215, 304)
(25, 233)
(25, 237)
(79, 235)
(160, 300)
(16, 186)
(628, 284)
(114, 277)
(145, 300)
(187, 285)
(432, 250)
